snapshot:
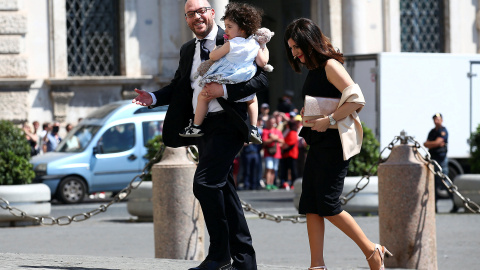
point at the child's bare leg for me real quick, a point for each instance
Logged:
(253, 111)
(201, 110)
(252, 107)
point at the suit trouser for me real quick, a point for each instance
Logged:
(214, 188)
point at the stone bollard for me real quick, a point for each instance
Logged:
(177, 217)
(406, 210)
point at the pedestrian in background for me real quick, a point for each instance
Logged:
(288, 163)
(302, 147)
(250, 158)
(272, 143)
(327, 159)
(46, 127)
(73, 141)
(52, 139)
(264, 113)
(281, 120)
(37, 131)
(31, 137)
(285, 103)
(68, 127)
(437, 142)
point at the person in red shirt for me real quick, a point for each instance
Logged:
(272, 141)
(289, 156)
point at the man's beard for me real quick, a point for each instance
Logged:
(202, 34)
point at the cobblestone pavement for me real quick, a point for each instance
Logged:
(115, 242)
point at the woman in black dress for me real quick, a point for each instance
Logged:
(325, 167)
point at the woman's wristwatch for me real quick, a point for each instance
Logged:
(332, 121)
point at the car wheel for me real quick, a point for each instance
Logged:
(452, 172)
(71, 190)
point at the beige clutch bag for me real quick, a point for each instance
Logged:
(318, 107)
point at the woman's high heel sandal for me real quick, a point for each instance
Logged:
(318, 267)
(383, 251)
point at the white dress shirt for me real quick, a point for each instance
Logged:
(213, 105)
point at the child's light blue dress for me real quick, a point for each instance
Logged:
(236, 66)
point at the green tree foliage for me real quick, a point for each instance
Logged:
(15, 168)
(475, 155)
(368, 156)
(153, 146)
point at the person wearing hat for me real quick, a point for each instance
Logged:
(264, 113)
(285, 104)
(437, 142)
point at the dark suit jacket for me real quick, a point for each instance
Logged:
(179, 93)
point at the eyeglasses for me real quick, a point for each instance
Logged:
(199, 11)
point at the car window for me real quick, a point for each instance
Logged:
(151, 129)
(78, 138)
(118, 138)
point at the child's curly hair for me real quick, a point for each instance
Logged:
(247, 17)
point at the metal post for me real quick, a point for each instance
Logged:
(177, 217)
(406, 209)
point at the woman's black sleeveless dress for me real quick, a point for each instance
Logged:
(325, 169)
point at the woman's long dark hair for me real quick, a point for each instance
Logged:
(313, 43)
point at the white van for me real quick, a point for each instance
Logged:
(103, 153)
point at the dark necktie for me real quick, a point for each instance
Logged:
(204, 52)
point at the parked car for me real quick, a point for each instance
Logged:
(104, 152)
(469, 186)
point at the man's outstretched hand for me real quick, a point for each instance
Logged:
(144, 98)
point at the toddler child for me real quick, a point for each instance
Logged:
(234, 63)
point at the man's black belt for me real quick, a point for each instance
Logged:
(212, 114)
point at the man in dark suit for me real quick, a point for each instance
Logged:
(225, 132)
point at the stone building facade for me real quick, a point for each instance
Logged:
(54, 68)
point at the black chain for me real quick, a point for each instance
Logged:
(467, 202)
(66, 220)
(344, 199)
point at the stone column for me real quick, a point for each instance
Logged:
(354, 26)
(219, 7)
(406, 210)
(177, 217)
(328, 16)
(391, 22)
(174, 32)
(58, 38)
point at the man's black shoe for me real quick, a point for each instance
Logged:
(213, 265)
